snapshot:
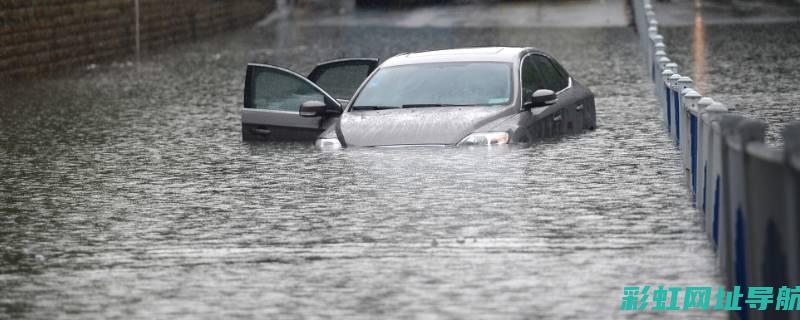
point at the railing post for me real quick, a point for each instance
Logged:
(702, 151)
(656, 39)
(649, 45)
(672, 66)
(649, 15)
(658, 52)
(728, 125)
(660, 46)
(665, 96)
(649, 18)
(747, 131)
(662, 64)
(771, 233)
(672, 111)
(657, 68)
(683, 85)
(712, 177)
(715, 176)
(690, 104)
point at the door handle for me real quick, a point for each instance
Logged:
(579, 107)
(557, 118)
(261, 131)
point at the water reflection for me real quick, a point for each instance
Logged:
(698, 48)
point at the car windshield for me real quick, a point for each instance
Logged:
(436, 85)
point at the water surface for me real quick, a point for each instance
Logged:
(132, 195)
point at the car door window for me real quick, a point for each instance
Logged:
(561, 70)
(276, 89)
(550, 77)
(530, 79)
(343, 81)
(341, 78)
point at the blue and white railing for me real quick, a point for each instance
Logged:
(747, 191)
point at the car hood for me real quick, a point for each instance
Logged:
(414, 126)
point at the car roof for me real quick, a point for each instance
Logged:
(489, 54)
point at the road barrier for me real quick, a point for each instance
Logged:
(747, 191)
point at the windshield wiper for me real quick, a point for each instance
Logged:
(426, 105)
(374, 107)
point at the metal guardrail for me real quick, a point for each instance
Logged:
(748, 192)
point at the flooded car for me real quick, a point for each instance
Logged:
(472, 96)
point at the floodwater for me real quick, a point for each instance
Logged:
(131, 195)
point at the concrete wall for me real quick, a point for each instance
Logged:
(42, 36)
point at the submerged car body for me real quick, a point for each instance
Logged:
(493, 95)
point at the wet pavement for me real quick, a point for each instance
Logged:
(593, 14)
(744, 54)
(131, 195)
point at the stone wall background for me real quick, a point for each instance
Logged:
(43, 36)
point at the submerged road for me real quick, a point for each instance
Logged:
(131, 195)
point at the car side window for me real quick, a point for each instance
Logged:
(275, 89)
(552, 78)
(341, 82)
(562, 71)
(530, 78)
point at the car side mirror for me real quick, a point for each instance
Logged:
(313, 108)
(543, 98)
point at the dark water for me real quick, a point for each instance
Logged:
(131, 195)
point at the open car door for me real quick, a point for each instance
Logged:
(273, 97)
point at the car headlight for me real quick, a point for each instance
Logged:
(485, 139)
(328, 144)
